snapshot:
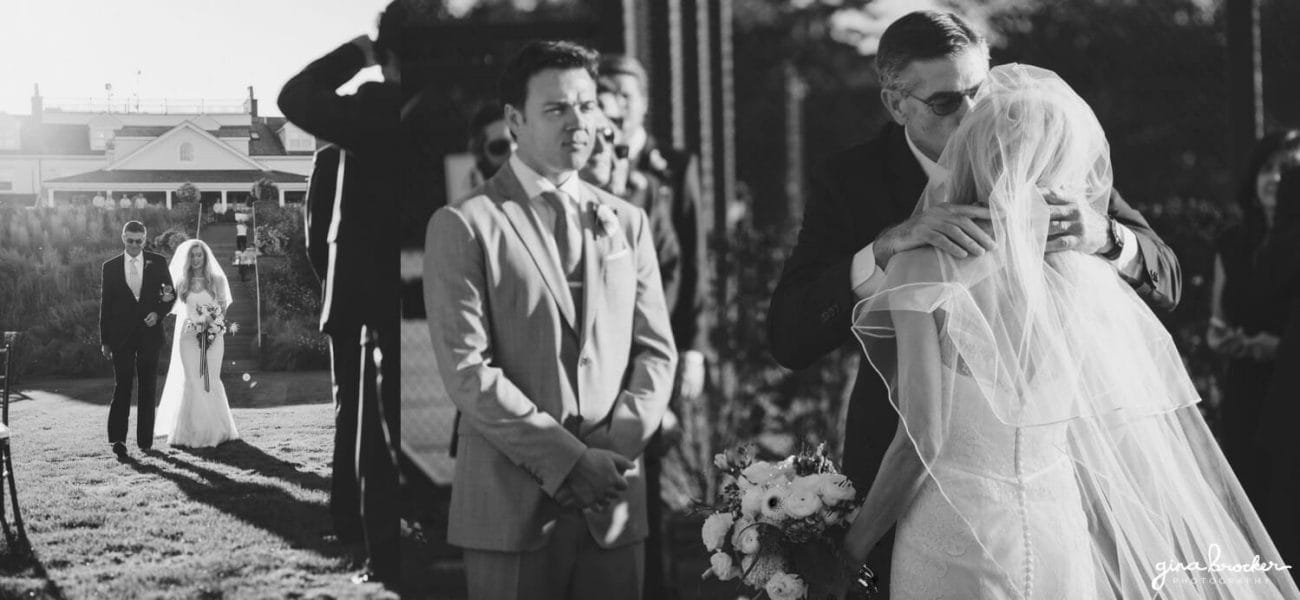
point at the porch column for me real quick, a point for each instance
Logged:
(281, 197)
(169, 199)
(224, 208)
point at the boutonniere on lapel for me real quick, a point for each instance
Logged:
(607, 217)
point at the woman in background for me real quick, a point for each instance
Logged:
(1246, 321)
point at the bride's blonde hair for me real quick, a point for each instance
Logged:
(204, 272)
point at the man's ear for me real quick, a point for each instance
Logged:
(893, 101)
(514, 119)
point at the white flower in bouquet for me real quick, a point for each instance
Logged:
(803, 500)
(715, 530)
(758, 474)
(741, 526)
(784, 586)
(723, 566)
(747, 541)
(773, 503)
(751, 503)
(836, 488)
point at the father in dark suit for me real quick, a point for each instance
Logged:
(135, 293)
(862, 212)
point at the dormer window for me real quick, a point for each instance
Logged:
(187, 152)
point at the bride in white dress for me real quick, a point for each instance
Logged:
(1049, 442)
(194, 411)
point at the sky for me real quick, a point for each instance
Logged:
(182, 49)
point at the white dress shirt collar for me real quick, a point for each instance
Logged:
(636, 142)
(931, 168)
(534, 184)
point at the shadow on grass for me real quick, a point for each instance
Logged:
(302, 524)
(22, 575)
(242, 455)
(267, 389)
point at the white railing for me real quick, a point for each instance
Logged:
(163, 106)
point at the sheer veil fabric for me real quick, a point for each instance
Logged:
(1061, 355)
(174, 386)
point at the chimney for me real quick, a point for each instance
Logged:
(38, 105)
(252, 103)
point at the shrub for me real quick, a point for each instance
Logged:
(188, 193)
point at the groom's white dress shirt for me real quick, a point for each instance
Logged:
(134, 281)
(866, 277)
(535, 185)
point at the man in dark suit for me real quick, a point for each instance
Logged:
(135, 293)
(861, 213)
(628, 81)
(352, 211)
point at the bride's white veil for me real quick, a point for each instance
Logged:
(219, 287)
(1059, 342)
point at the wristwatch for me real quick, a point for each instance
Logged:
(1116, 239)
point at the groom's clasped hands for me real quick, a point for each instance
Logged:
(595, 480)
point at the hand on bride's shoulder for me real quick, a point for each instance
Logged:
(956, 229)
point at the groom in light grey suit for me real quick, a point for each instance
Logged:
(551, 334)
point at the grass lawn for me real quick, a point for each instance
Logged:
(245, 520)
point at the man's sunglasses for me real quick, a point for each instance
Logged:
(135, 242)
(943, 104)
(499, 147)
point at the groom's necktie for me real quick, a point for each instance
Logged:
(133, 276)
(568, 240)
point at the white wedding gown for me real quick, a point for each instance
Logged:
(190, 416)
(1030, 514)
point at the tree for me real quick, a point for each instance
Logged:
(187, 193)
(265, 189)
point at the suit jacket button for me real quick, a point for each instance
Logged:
(584, 361)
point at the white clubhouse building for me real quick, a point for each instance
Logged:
(69, 152)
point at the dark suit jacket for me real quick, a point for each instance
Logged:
(362, 277)
(855, 196)
(120, 314)
(322, 191)
(682, 172)
(654, 197)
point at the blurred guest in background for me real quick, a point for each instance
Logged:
(609, 170)
(625, 79)
(1246, 321)
(356, 219)
(490, 143)
(1277, 448)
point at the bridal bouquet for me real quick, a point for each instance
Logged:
(211, 323)
(779, 525)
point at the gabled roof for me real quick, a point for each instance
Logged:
(267, 142)
(190, 126)
(149, 131)
(232, 131)
(166, 176)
